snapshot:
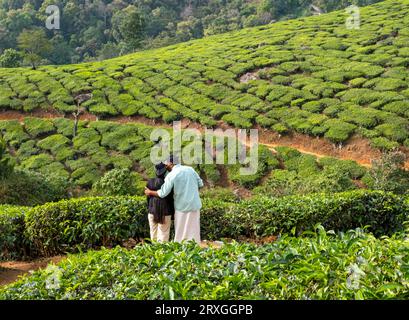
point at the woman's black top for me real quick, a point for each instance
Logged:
(157, 206)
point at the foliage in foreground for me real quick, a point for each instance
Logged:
(324, 266)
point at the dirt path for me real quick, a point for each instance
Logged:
(356, 148)
(10, 271)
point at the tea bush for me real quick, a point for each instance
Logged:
(384, 144)
(384, 213)
(29, 188)
(13, 244)
(338, 131)
(349, 266)
(37, 126)
(85, 223)
(119, 182)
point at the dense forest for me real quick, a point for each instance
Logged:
(95, 30)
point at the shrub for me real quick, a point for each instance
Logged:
(217, 195)
(363, 117)
(265, 121)
(304, 164)
(366, 133)
(121, 161)
(85, 223)
(292, 268)
(394, 132)
(365, 96)
(6, 166)
(142, 150)
(27, 149)
(64, 153)
(338, 131)
(122, 138)
(385, 84)
(287, 153)
(31, 188)
(285, 182)
(84, 137)
(280, 128)
(16, 137)
(384, 213)
(266, 162)
(237, 120)
(118, 182)
(353, 169)
(211, 173)
(37, 161)
(65, 126)
(313, 106)
(384, 144)
(13, 244)
(37, 126)
(357, 82)
(399, 107)
(53, 142)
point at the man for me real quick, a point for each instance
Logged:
(185, 183)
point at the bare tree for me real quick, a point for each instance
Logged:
(80, 99)
(315, 10)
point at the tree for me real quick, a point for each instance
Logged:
(35, 45)
(10, 59)
(6, 168)
(128, 26)
(61, 52)
(108, 51)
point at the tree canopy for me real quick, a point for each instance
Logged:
(94, 30)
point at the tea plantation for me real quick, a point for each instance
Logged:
(309, 229)
(306, 262)
(311, 75)
(48, 146)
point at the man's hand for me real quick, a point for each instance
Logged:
(151, 193)
(147, 192)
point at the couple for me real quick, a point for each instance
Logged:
(175, 194)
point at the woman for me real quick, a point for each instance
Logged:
(160, 211)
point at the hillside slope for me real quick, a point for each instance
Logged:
(312, 76)
(48, 146)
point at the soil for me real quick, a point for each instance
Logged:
(10, 271)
